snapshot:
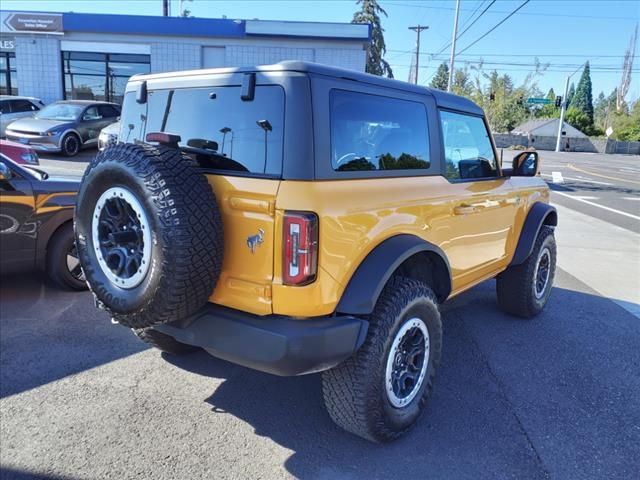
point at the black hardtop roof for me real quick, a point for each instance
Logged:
(443, 99)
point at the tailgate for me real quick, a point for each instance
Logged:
(248, 218)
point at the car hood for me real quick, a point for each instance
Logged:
(37, 125)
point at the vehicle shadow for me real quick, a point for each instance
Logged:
(47, 333)
(479, 423)
(572, 186)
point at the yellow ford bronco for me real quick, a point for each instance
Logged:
(298, 218)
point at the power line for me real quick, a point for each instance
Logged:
(466, 29)
(538, 14)
(432, 54)
(495, 26)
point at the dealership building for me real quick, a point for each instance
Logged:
(55, 56)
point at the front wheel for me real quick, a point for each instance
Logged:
(523, 290)
(70, 145)
(380, 392)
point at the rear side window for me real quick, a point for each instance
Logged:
(4, 107)
(23, 106)
(107, 111)
(371, 132)
(467, 147)
(220, 130)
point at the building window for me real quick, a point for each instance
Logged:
(8, 76)
(100, 76)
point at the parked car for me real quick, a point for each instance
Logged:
(21, 154)
(36, 224)
(108, 136)
(352, 205)
(14, 107)
(66, 126)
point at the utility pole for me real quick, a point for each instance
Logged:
(418, 29)
(453, 47)
(564, 107)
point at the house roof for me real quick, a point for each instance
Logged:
(534, 127)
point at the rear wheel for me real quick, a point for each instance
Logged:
(162, 341)
(381, 391)
(523, 290)
(63, 265)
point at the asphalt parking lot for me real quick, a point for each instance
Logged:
(554, 397)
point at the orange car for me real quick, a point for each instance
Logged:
(298, 218)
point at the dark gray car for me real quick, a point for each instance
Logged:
(65, 126)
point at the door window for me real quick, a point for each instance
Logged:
(91, 114)
(467, 147)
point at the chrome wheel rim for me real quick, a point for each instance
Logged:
(73, 264)
(121, 236)
(542, 273)
(407, 362)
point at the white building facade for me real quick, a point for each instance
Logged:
(90, 56)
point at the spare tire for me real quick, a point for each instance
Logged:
(149, 234)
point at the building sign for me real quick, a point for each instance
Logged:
(7, 44)
(26, 22)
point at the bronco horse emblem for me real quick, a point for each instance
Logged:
(255, 241)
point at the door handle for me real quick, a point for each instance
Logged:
(465, 209)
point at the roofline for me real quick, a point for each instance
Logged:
(443, 99)
(195, 26)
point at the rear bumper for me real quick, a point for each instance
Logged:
(273, 344)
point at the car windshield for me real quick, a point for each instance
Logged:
(60, 111)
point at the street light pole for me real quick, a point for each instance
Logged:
(564, 107)
(453, 46)
(562, 112)
(418, 29)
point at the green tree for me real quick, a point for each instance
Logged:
(370, 13)
(626, 126)
(570, 94)
(550, 110)
(583, 99)
(578, 119)
(461, 83)
(441, 78)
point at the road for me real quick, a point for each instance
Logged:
(554, 397)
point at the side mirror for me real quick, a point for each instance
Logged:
(525, 164)
(5, 173)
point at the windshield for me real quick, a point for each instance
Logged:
(60, 111)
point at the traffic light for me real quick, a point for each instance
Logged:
(492, 96)
(558, 101)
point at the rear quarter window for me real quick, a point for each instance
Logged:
(371, 132)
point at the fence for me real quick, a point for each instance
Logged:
(587, 144)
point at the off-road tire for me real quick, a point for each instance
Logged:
(162, 341)
(354, 392)
(57, 250)
(186, 231)
(70, 145)
(515, 286)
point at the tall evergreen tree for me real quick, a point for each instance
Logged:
(370, 13)
(583, 99)
(570, 94)
(441, 78)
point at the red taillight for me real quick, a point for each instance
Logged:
(300, 259)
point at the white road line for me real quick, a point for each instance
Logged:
(556, 177)
(575, 179)
(578, 199)
(631, 198)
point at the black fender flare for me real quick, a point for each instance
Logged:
(366, 284)
(540, 214)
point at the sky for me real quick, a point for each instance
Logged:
(563, 33)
